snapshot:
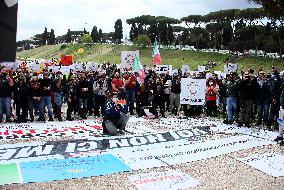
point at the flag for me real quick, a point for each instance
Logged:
(156, 54)
(136, 67)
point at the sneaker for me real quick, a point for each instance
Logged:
(278, 139)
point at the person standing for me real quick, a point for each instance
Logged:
(211, 97)
(99, 88)
(83, 92)
(45, 85)
(21, 99)
(130, 84)
(34, 97)
(248, 89)
(175, 90)
(71, 93)
(262, 99)
(6, 88)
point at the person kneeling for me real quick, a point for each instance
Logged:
(115, 118)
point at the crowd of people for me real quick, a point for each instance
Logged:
(252, 97)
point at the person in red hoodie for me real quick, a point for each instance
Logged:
(211, 97)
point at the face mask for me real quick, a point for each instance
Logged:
(114, 99)
(210, 83)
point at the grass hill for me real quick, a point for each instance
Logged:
(103, 53)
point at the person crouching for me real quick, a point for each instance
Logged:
(115, 118)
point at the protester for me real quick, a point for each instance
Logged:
(21, 99)
(99, 89)
(211, 97)
(175, 90)
(83, 93)
(130, 90)
(115, 118)
(45, 101)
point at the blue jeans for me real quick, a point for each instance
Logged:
(5, 107)
(130, 99)
(263, 110)
(45, 102)
(231, 107)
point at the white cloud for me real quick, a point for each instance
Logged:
(61, 15)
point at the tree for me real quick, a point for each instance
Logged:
(68, 37)
(86, 39)
(252, 17)
(142, 41)
(95, 35)
(275, 8)
(45, 36)
(118, 33)
(101, 36)
(51, 38)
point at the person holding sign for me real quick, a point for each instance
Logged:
(115, 118)
(211, 97)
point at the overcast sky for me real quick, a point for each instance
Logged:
(61, 15)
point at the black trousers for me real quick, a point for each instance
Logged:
(99, 104)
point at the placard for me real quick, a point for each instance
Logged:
(230, 67)
(163, 69)
(192, 91)
(127, 60)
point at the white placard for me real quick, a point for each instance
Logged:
(91, 66)
(201, 68)
(127, 60)
(270, 163)
(192, 91)
(160, 69)
(185, 69)
(168, 180)
(230, 67)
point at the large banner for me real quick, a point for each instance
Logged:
(172, 179)
(11, 153)
(163, 69)
(171, 153)
(192, 91)
(270, 163)
(127, 60)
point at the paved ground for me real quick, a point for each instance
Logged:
(222, 172)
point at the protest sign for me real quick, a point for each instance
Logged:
(127, 60)
(185, 69)
(192, 91)
(230, 67)
(201, 68)
(163, 69)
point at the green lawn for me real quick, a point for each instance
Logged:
(103, 53)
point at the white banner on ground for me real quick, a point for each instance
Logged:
(192, 91)
(163, 69)
(171, 153)
(127, 60)
(270, 163)
(230, 67)
(168, 180)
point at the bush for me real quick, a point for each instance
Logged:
(63, 46)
